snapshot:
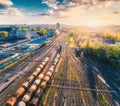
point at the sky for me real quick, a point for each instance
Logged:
(72, 12)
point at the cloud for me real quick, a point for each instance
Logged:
(65, 8)
(7, 9)
(11, 11)
(116, 12)
(5, 3)
(49, 12)
(57, 4)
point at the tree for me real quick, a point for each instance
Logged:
(27, 36)
(23, 28)
(112, 36)
(113, 52)
(33, 29)
(43, 32)
(4, 34)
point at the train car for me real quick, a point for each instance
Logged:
(38, 69)
(116, 103)
(49, 73)
(20, 92)
(39, 92)
(25, 84)
(54, 63)
(58, 55)
(37, 82)
(38, 72)
(46, 78)
(21, 103)
(26, 98)
(43, 84)
(52, 66)
(35, 73)
(32, 88)
(56, 60)
(46, 59)
(51, 69)
(22, 89)
(43, 63)
(101, 78)
(12, 101)
(41, 66)
(31, 78)
(34, 102)
(41, 76)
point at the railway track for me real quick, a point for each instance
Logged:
(69, 77)
(85, 96)
(101, 85)
(12, 87)
(24, 63)
(73, 74)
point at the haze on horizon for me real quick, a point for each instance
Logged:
(75, 12)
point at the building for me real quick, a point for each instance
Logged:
(50, 33)
(20, 34)
(12, 33)
(33, 34)
(58, 26)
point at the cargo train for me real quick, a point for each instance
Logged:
(38, 80)
(24, 87)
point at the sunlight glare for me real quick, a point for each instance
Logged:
(94, 23)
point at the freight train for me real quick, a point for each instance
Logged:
(38, 80)
(24, 87)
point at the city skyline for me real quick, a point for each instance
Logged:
(74, 12)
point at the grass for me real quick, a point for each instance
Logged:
(103, 100)
(70, 41)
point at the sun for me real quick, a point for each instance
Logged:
(94, 23)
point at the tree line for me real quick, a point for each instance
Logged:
(112, 36)
(100, 50)
(41, 31)
(4, 34)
